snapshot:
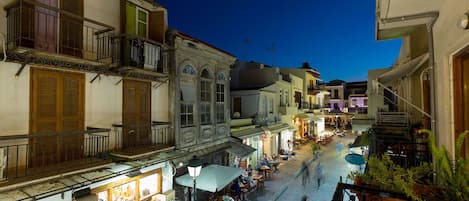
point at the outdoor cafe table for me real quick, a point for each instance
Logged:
(265, 169)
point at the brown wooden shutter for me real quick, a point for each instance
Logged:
(71, 29)
(136, 113)
(44, 116)
(57, 105)
(72, 115)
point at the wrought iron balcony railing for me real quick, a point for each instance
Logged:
(139, 52)
(131, 137)
(33, 155)
(32, 25)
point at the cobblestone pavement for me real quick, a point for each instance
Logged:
(287, 183)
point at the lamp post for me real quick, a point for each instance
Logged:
(194, 167)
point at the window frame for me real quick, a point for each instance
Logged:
(137, 21)
(205, 98)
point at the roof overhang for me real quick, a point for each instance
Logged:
(396, 18)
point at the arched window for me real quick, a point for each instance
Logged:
(187, 96)
(205, 97)
(220, 101)
(188, 70)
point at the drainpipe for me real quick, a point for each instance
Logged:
(431, 60)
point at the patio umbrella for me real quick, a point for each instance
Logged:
(355, 159)
(212, 178)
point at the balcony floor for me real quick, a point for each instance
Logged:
(141, 151)
(23, 174)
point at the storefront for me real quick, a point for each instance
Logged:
(302, 123)
(143, 187)
(273, 142)
(253, 138)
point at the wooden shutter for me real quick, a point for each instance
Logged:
(130, 23)
(44, 116)
(57, 105)
(45, 26)
(136, 113)
(71, 29)
(461, 98)
(72, 116)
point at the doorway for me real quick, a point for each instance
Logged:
(461, 97)
(136, 114)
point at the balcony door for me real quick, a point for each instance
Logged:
(71, 29)
(461, 98)
(45, 26)
(57, 106)
(136, 113)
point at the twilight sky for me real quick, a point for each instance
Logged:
(334, 36)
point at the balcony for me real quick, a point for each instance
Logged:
(138, 52)
(33, 156)
(313, 90)
(51, 34)
(137, 141)
(267, 120)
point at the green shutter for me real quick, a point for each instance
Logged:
(130, 24)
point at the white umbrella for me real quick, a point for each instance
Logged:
(212, 178)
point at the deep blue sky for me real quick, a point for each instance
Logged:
(334, 36)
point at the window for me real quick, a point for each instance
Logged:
(187, 115)
(205, 97)
(281, 98)
(271, 108)
(142, 22)
(187, 96)
(287, 97)
(354, 102)
(220, 103)
(365, 102)
(336, 93)
(189, 70)
(264, 105)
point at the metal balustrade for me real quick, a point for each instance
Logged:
(37, 26)
(139, 52)
(156, 133)
(35, 154)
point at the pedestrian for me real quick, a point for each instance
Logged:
(305, 198)
(305, 169)
(319, 174)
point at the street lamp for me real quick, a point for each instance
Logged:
(194, 167)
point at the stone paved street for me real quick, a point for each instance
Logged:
(287, 184)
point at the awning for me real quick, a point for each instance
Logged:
(241, 150)
(303, 116)
(277, 128)
(212, 178)
(247, 133)
(201, 152)
(403, 69)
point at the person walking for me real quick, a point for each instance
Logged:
(305, 198)
(306, 179)
(319, 174)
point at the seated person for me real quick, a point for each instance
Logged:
(252, 182)
(236, 188)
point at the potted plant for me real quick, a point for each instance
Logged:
(452, 176)
(384, 174)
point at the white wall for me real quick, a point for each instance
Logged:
(103, 101)
(449, 40)
(160, 102)
(104, 11)
(249, 102)
(14, 101)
